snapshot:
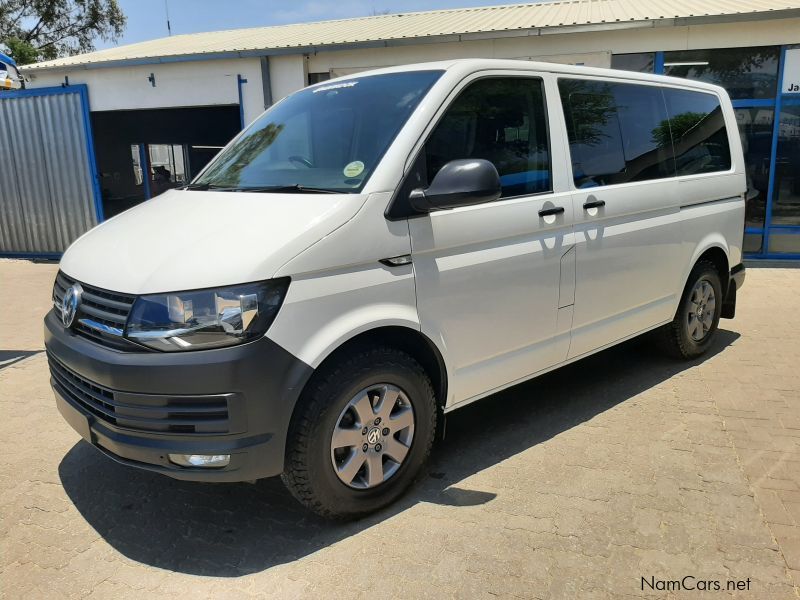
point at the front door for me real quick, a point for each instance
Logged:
(489, 277)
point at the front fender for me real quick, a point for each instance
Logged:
(323, 311)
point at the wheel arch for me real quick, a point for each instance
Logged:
(411, 341)
(713, 248)
(408, 339)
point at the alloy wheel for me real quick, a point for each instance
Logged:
(702, 306)
(372, 436)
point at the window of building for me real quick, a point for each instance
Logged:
(699, 136)
(743, 72)
(618, 132)
(167, 167)
(502, 120)
(641, 62)
(317, 77)
(755, 130)
(786, 199)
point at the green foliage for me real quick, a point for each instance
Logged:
(34, 30)
(676, 128)
(21, 51)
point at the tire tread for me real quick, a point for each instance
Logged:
(316, 400)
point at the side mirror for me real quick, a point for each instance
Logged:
(460, 182)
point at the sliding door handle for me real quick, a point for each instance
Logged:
(593, 204)
(556, 210)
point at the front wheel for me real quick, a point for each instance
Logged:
(694, 328)
(362, 432)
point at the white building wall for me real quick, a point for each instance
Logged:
(287, 74)
(592, 48)
(197, 83)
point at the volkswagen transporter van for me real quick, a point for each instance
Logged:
(378, 250)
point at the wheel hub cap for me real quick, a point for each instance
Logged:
(372, 436)
(702, 306)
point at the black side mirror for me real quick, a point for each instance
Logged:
(460, 182)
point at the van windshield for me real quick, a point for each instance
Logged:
(328, 138)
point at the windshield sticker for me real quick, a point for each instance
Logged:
(336, 86)
(353, 169)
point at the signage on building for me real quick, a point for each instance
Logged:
(791, 72)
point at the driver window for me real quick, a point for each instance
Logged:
(502, 120)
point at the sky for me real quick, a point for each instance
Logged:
(147, 18)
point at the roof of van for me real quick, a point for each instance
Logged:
(465, 66)
(449, 25)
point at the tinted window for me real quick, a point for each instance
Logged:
(743, 72)
(699, 137)
(641, 62)
(500, 120)
(618, 132)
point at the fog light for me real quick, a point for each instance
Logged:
(200, 460)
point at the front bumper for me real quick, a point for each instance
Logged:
(109, 396)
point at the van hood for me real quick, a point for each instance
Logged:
(185, 240)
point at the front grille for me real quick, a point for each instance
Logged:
(103, 308)
(141, 412)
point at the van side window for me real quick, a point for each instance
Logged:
(502, 120)
(698, 132)
(618, 132)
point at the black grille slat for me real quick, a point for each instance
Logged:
(121, 308)
(105, 317)
(155, 413)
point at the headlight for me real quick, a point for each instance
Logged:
(201, 319)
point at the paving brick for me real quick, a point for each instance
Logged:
(622, 466)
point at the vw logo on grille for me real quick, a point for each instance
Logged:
(70, 303)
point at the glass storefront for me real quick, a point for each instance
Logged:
(745, 72)
(786, 203)
(771, 149)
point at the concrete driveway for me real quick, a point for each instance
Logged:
(618, 476)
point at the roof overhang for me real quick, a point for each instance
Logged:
(431, 39)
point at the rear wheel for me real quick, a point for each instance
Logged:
(694, 328)
(362, 432)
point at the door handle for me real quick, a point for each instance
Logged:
(593, 204)
(556, 210)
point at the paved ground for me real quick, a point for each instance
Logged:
(622, 467)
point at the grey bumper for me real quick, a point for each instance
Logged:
(138, 407)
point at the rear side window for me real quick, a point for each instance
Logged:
(699, 136)
(502, 120)
(618, 132)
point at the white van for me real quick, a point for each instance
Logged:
(377, 250)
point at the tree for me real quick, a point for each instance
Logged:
(34, 30)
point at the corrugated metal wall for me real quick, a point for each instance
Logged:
(47, 192)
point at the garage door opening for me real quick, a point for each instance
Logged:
(143, 153)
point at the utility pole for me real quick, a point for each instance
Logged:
(166, 10)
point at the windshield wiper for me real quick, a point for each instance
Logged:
(294, 187)
(208, 186)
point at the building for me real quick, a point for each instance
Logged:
(159, 110)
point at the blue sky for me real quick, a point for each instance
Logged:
(147, 18)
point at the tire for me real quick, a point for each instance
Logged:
(317, 474)
(688, 337)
